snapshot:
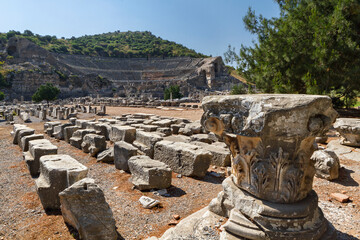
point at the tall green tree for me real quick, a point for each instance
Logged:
(2, 96)
(173, 91)
(46, 92)
(313, 47)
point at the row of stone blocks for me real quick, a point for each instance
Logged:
(62, 184)
(147, 172)
(188, 159)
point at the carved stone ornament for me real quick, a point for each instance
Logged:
(271, 138)
(349, 129)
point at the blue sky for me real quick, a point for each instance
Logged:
(208, 26)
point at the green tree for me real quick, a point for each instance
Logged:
(238, 89)
(2, 96)
(46, 92)
(313, 47)
(173, 90)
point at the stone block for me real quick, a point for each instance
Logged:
(165, 131)
(78, 136)
(57, 172)
(84, 207)
(220, 156)
(163, 123)
(122, 133)
(81, 123)
(103, 129)
(50, 127)
(37, 149)
(68, 132)
(146, 141)
(25, 141)
(93, 144)
(16, 130)
(205, 138)
(183, 158)
(148, 174)
(22, 133)
(191, 128)
(123, 151)
(59, 130)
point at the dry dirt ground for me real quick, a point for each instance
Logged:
(22, 216)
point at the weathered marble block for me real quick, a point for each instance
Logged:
(59, 130)
(220, 156)
(93, 144)
(84, 207)
(16, 130)
(37, 149)
(50, 127)
(22, 133)
(80, 123)
(271, 139)
(148, 174)
(349, 129)
(78, 136)
(103, 129)
(122, 133)
(145, 142)
(184, 158)
(25, 141)
(123, 151)
(57, 172)
(68, 132)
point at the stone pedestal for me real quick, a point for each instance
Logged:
(269, 194)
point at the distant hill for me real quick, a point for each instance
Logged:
(114, 44)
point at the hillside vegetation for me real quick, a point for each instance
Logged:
(115, 44)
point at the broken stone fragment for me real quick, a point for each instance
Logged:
(50, 127)
(349, 129)
(149, 174)
(327, 164)
(106, 155)
(84, 207)
(191, 128)
(59, 130)
(93, 144)
(340, 197)
(147, 202)
(79, 135)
